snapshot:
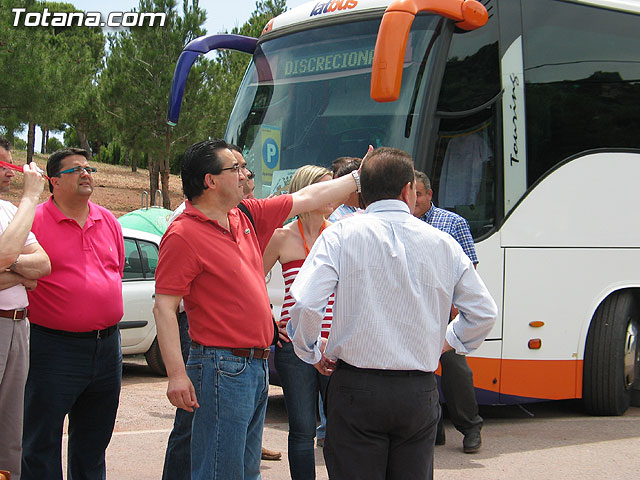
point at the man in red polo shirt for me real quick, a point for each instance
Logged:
(205, 254)
(75, 360)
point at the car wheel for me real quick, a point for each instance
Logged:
(611, 357)
(154, 359)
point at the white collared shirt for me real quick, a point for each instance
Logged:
(14, 297)
(395, 278)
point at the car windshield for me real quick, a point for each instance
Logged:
(305, 99)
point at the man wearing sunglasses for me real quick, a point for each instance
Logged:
(22, 262)
(75, 358)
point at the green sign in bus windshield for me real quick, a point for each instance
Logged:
(330, 62)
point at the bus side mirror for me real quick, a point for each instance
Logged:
(388, 57)
(191, 52)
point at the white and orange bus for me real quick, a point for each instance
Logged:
(525, 115)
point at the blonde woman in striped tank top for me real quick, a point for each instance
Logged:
(301, 382)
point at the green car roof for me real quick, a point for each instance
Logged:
(151, 220)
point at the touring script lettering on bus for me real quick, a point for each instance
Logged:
(514, 98)
(329, 62)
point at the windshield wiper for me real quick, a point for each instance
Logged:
(416, 88)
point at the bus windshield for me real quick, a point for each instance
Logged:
(305, 99)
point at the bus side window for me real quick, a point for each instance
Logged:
(464, 168)
(581, 94)
(464, 174)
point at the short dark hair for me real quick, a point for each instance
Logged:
(4, 143)
(198, 160)
(55, 159)
(352, 164)
(385, 173)
(338, 163)
(422, 177)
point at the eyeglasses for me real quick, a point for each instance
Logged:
(251, 175)
(235, 167)
(78, 169)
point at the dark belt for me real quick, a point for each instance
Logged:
(105, 332)
(384, 373)
(255, 352)
(17, 314)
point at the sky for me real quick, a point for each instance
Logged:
(222, 15)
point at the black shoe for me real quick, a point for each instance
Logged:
(440, 436)
(471, 442)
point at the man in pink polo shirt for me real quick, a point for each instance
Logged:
(75, 359)
(22, 261)
(211, 257)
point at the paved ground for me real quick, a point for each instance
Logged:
(552, 440)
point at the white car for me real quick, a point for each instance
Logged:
(138, 327)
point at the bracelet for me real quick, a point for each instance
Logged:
(356, 177)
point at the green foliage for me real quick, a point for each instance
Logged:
(112, 153)
(135, 84)
(46, 72)
(137, 78)
(19, 144)
(225, 75)
(71, 138)
(119, 96)
(176, 162)
(53, 144)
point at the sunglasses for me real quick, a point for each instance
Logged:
(78, 169)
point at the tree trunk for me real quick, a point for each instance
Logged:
(164, 170)
(84, 143)
(31, 140)
(166, 199)
(43, 143)
(127, 159)
(134, 161)
(154, 170)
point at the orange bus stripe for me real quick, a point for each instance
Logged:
(544, 379)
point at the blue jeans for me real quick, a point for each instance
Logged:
(226, 434)
(301, 383)
(177, 460)
(321, 431)
(76, 376)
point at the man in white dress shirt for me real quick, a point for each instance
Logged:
(22, 262)
(395, 279)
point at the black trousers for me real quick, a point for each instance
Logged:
(457, 387)
(380, 424)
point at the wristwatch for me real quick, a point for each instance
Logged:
(13, 265)
(356, 177)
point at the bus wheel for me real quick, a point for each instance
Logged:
(154, 359)
(612, 356)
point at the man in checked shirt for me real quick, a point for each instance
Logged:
(457, 377)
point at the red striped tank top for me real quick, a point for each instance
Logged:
(289, 272)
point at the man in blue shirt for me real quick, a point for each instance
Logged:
(457, 377)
